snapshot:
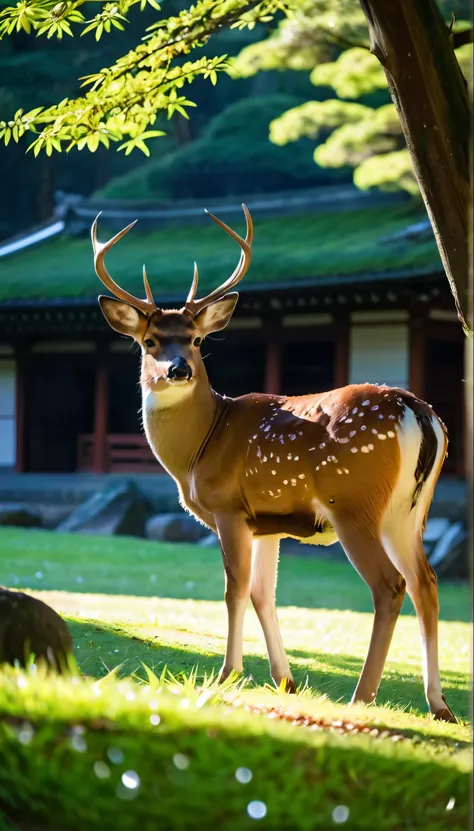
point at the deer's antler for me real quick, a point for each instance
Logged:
(147, 306)
(194, 306)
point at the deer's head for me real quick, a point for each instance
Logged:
(170, 339)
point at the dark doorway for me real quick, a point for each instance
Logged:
(60, 393)
(234, 368)
(307, 367)
(444, 385)
(124, 393)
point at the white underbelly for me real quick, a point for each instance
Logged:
(328, 537)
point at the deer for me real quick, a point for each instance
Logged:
(357, 464)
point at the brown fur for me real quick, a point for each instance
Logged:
(260, 467)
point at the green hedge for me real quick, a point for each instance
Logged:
(233, 156)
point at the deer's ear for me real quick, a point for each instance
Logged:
(123, 318)
(217, 315)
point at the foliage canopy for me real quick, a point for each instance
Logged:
(331, 40)
(359, 128)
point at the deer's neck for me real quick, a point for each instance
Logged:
(177, 432)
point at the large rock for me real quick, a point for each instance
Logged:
(446, 545)
(20, 516)
(30, 627)
(177, 527)
(120, 508)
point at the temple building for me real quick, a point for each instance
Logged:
(341, 290)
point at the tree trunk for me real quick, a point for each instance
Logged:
(411, 41)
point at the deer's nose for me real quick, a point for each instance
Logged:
(179, 370)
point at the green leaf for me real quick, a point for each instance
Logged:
(93, 142)
(142, 146)
(152, 134)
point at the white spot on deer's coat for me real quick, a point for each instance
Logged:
(352, 434)
(348, 420)
(273, 472)
(323, 444)
(285, 481)
(370, 446)
(381, 436)
(354, 411)
(353, 449)
(375, 407)
(292, 436)
(364, 449)
(366, 402)
(301, 476)
(289, 456)
(342, 441)
(391, 434)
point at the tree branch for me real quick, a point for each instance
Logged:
(461, 38)
(342, 41)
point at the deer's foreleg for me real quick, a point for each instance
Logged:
(262, 591)
(235, 538)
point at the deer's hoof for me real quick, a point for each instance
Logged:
(228, 674)
(287, 685)
(445, 714)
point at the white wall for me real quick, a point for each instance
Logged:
(7, 413)
(379, 354)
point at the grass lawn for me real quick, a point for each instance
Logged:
(124, 749)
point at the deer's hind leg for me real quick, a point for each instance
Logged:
(405, 545)
(387, 586)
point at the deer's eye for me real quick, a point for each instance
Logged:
(197, 341)
(150, 343)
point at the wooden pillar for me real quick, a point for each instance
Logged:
(417, 347)
(341, 357)
(272, 381)
(101, 415)
(21, 359)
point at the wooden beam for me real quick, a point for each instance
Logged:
(417, 357)
(21, 353)
(341, 356)
(272, 380)
(101, 415)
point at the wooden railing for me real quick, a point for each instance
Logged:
(125, 453)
